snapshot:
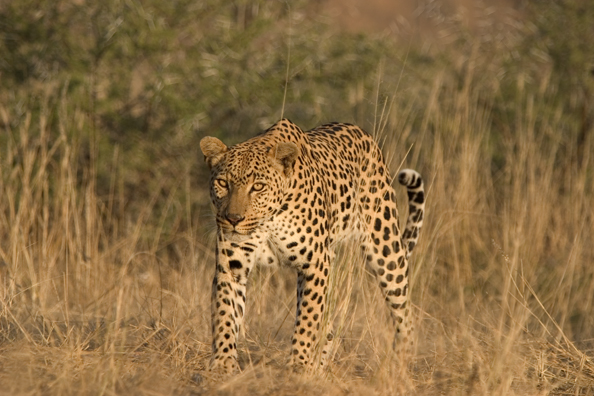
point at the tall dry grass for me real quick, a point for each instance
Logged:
(96, 300)
(503, 278)
(87, 304)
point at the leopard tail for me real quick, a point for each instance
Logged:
(416, 207)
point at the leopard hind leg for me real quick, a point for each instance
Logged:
(386, 257)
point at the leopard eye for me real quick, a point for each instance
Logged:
(222, 183)
(258, 187)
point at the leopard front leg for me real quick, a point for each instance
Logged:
(308, 345)
(228, 304)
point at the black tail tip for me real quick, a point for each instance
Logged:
(410, 178)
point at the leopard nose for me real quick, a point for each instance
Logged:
(234, 218)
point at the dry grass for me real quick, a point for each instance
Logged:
(94, 300)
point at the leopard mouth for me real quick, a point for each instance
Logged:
(245, 228)
(236, 235)
(228, 229)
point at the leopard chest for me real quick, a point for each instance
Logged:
(288, 240)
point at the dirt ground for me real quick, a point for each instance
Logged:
(415, 17)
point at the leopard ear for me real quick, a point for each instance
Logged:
(285, 154)
(212, 148)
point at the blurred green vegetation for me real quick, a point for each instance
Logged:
(155, 76)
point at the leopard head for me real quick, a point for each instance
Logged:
(248, 181)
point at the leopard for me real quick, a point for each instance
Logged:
(288, 197)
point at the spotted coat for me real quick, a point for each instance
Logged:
(286, 197)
